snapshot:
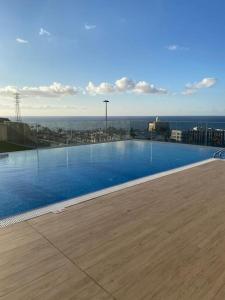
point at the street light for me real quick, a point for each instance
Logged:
(106, 113)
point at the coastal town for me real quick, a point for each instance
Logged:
(33, 136)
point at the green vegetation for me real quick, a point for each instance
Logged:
(7, 147)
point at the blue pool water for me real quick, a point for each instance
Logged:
(33, 179)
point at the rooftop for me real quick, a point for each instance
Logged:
(164, 239)
(3, 119)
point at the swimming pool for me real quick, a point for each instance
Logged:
(36, 178)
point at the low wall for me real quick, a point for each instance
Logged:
(3, 133)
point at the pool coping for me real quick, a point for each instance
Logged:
(60, 206)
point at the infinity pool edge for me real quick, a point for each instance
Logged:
(60, 206)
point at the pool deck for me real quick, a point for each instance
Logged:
(163, 239)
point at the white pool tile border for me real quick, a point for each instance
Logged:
(60, 206)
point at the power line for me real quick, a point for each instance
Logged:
(17, 107)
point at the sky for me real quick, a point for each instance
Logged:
(148, 57)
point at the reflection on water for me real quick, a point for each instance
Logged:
(4, 155)
(32, 179)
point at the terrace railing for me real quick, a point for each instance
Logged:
(197, 133)
(52, 134)
(19, 134)
(82, 132)
(56, 134)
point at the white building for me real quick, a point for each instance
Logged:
(176, 135)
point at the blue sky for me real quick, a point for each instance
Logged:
(149, 57)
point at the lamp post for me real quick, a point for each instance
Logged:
(106, 114)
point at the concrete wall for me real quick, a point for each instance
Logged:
(3, 133)
(20, 133)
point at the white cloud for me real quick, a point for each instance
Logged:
(89, 27)
(21, 41)
(143, 87)
(57, 107)
(192, 88)
(204, 83)
(102, 88)
(54, 90)
(44, 32)
(175, 47)
(8, 91)
(124, 85)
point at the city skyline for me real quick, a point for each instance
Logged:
(156, 57)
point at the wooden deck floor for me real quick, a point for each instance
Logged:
(164, 239)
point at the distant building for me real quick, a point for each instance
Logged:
(216, 137)
(159, 126)
(2, 120)
(160, 130)
(199, 136)
(176, 135)
(195, 136)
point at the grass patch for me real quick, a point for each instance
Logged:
(8, 147)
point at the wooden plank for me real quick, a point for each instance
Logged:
(61, 283)
(163, 239)
(31, 268)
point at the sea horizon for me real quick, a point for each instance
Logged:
(140, 122)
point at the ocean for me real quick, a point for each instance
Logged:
(136, 122)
